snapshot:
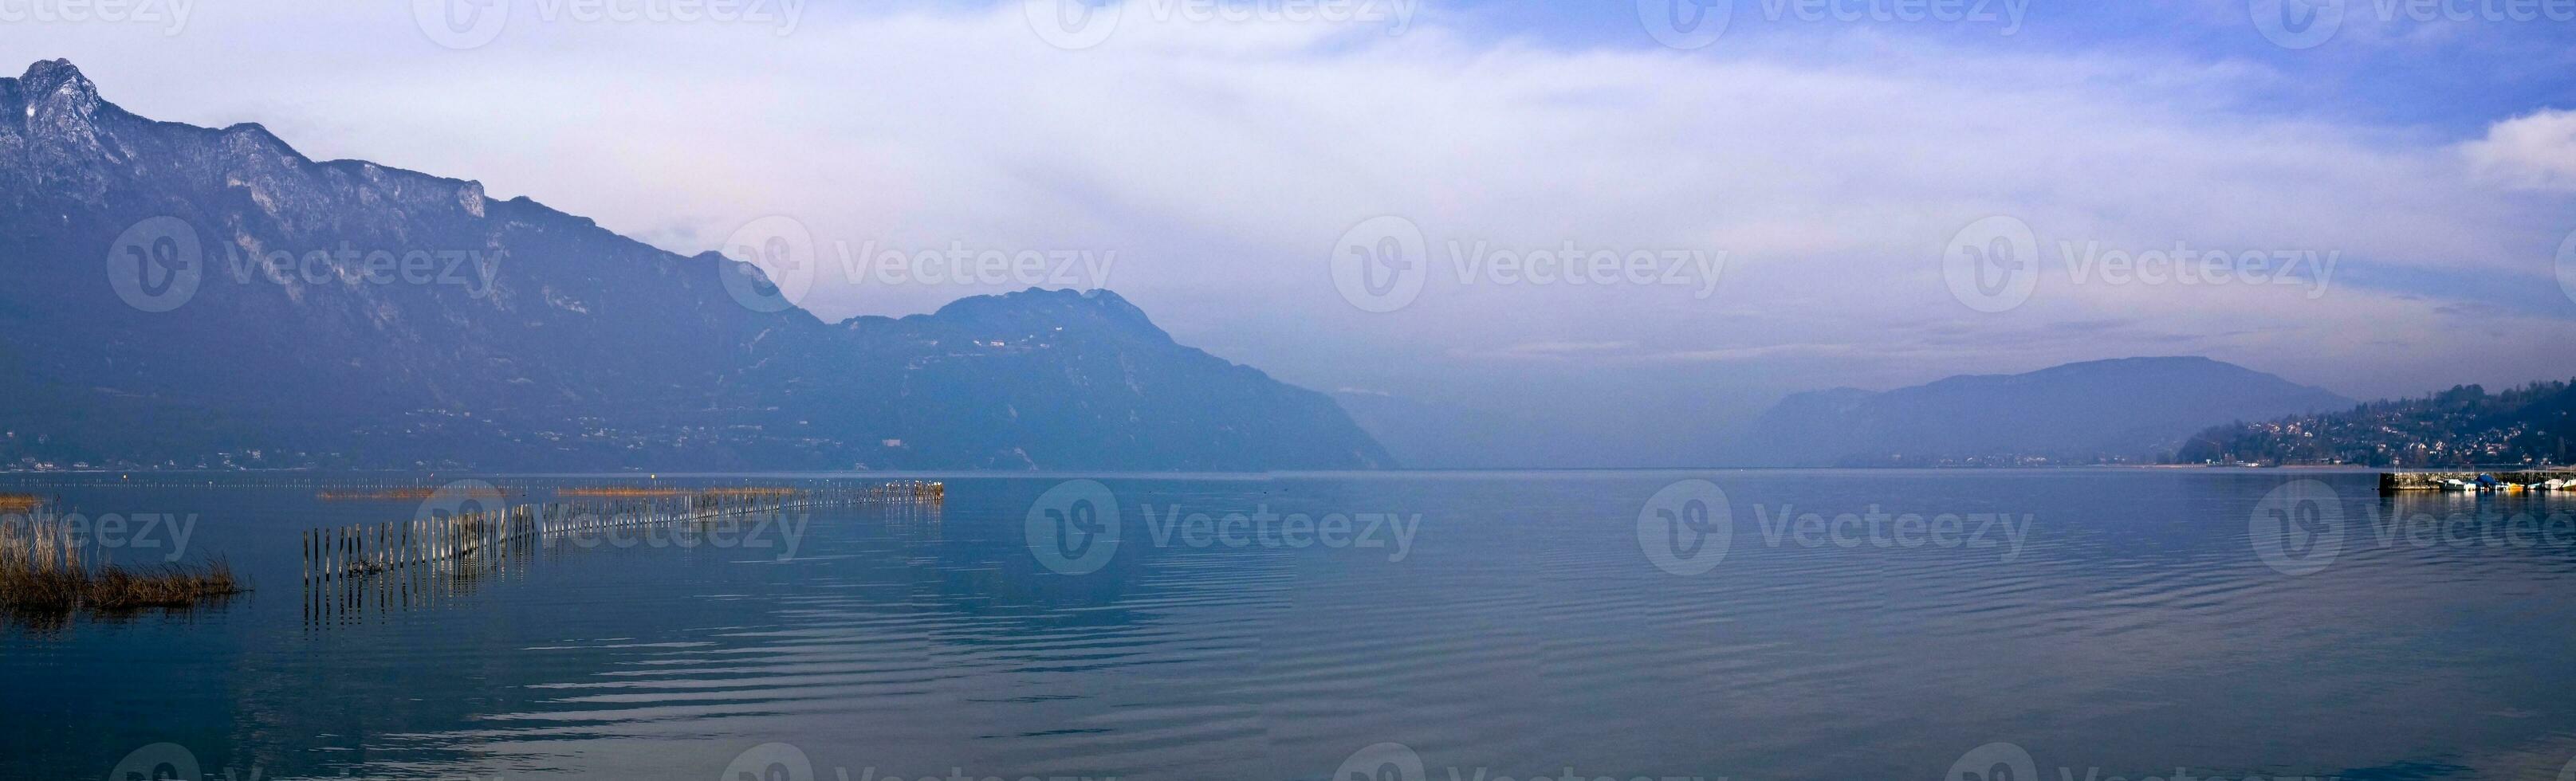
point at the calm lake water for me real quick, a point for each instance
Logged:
(1614, 624)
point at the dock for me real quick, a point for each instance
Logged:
(2432, 481)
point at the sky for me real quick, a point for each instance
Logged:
(1592, 219)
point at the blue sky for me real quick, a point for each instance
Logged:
(1806, 192)
(2450, 75)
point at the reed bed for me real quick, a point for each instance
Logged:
(46, 570)
(20, 503)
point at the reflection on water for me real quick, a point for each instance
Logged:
(2114, 621)
(2531, 508)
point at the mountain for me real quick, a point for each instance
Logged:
(346, 314)
(2461, 427)
(2129, 409)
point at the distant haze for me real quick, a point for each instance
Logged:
(2417, 179)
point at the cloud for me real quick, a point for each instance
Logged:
(2536, 151)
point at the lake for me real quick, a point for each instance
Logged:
(1983, 624)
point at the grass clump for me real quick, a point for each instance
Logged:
(43, 572)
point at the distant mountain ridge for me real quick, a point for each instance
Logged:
(2127, 409)
(558, 345)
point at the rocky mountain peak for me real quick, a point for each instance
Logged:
(55, 91)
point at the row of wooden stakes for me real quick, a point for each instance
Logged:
(361, 550)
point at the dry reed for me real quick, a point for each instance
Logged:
(44, 570)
